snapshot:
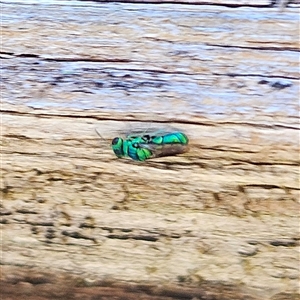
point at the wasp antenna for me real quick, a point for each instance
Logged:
(147, 129)
(99, 134)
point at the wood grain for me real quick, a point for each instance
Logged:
(217, 221)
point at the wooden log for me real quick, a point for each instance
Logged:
(218, 222)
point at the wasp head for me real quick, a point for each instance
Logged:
(117, 146)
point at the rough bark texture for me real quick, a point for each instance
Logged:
(219, 222)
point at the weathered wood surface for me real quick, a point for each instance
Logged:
(229, 3)
(226, 212)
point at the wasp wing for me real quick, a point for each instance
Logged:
(141, 131)
(164, 150)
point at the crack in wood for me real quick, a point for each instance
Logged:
(266, 48)
(133, 119)
(77, 235)
(198, 3)
(257, 75)
(284, 243)
(147, 238)
(269, 186)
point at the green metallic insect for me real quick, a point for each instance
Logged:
(149, 146)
